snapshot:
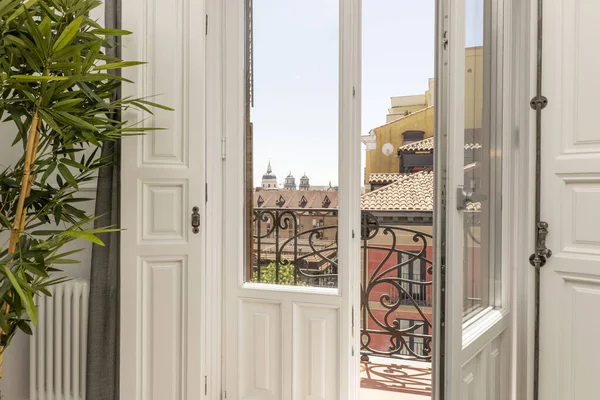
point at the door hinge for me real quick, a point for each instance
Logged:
(206, 192)
(539, 101)
(542, 253)
(224, 394)
(206, 24)
(223, 148)
(205, 385)
(445, 40)
(352, 320)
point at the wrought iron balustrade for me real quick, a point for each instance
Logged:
(299, 247)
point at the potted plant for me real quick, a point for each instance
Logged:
(57, 85)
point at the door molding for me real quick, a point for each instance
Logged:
(214, 28)
(522, 296)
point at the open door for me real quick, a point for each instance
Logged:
(474, 200)
(291, 252)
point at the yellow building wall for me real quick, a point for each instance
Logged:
(422, 120)
(473, 87)
(402, 110)
(376, 161)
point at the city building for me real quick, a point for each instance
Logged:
(269, 179)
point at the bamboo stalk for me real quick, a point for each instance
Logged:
(18, 225)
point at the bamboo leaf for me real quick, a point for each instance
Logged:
(152, 104)
(24, 326)
(21, 10)
(117, 65)
(68, 34)
(111, 32)
(37, 78)
(3, 323)
(47, 173)
(67, 104)
(7, 5)
(84, 235)
(47, 117)
(25, 299)
(4, 221)
(66, 173)
(80, 123)
(74, 164)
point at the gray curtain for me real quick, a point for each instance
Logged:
(103, 323)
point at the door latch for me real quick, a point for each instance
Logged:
(195, 220)
(464, 198)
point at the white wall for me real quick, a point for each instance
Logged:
(15, 380)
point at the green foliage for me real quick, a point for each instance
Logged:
(268, 274)
(56, 63)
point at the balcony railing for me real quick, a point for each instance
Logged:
(299, 247)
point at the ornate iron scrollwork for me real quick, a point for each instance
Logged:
(396, 282)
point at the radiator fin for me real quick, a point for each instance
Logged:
(58, 345)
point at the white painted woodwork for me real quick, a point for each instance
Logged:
(261, 355)
(312, 352)
(162, 179)
(478, 351)
(570, 199)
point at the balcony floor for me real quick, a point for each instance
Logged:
(393, 379)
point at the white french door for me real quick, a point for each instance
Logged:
(281, 341)
(474, 198)
(162, 281)
(570, 197)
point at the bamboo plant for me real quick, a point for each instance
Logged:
(57, 86)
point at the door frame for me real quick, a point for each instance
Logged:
(523, 278)
(224, 175)
(522, 39)
(524, 20)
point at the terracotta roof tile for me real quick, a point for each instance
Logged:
(410, 192)
(384, 178)
(427, 145)
(421, 145)
(281, 198)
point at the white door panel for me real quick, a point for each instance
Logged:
(162, 179)
(473, 135)
(570, 199)
(285, 342)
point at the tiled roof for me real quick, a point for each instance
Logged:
(472, 146)
(410, 192)
(427, 145)
(384, 178)
(473, 206)
(281, 198)
(421, 145)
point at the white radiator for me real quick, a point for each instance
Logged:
(58, 345)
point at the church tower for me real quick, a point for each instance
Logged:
(269, 180)
(304, 184)
(290, 182)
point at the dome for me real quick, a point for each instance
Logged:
(269, 174)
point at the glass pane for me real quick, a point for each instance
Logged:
(292, 142)
(482, 160)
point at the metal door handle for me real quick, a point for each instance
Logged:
(195, 220)
(463, 198)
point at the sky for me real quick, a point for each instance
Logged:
(296, 50)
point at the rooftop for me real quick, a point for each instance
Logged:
(427, 145)
(408, 192)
